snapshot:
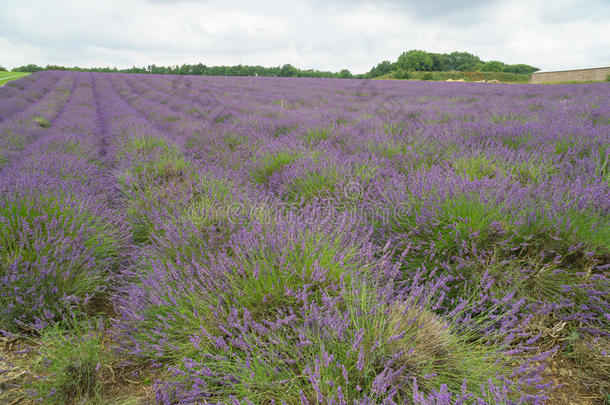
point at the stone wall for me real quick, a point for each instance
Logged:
(579, 75)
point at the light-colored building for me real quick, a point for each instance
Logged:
(571, 75)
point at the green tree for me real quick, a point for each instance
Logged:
(57, 67)
(492, 66)
(31, 68)
(520, 68)
(464, 61)
(440, 62)
(3, 69)
(345, 74)
(159, 70)
(288, 71)
(380, 70)
(384, 67)
(401, 74)
(415, 60)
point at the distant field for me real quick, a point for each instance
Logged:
(6, 77)
(250, 240)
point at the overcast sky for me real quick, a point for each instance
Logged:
(320, 34)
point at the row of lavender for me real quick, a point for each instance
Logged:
(313, 241)
(59, 241)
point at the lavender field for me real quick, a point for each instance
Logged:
(185, 240)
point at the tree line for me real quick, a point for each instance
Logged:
(409, 61)
(200, 69)
(421, 61)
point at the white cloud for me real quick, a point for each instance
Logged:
(315, 34)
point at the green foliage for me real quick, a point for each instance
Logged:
(428, 347)
(71, 147)
(171, 118)
(345, 74)
(153, 164)
(492, 66)
(516, 142)
(590, 228)
(142, 145)
(520, 69)
(162, 167)
(156, 159)
(3, 69)
(602, 169)
(314, 136)
(233, 141)
(464, 61)
(78, 266)
(141, 203)
(74, 364)
(206, 208)
(288, 71)
(502, 118)
(18, 235)
(463, 218)
(455, 62)
(490, 226)
(454, 75)
(260, 279)
(314, 184)
(402, 74)
(565, 145)
(531, 172)
(476, 168)
(43, 122)
(271, 163)
(389, 149)
(31, 68)
(421, 344)
(394, 128)
(282, 130)
(196, 69)
(415, 60)
(380, 70)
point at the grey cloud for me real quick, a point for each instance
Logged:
(577, 10)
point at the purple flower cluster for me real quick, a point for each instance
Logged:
(312, 240)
